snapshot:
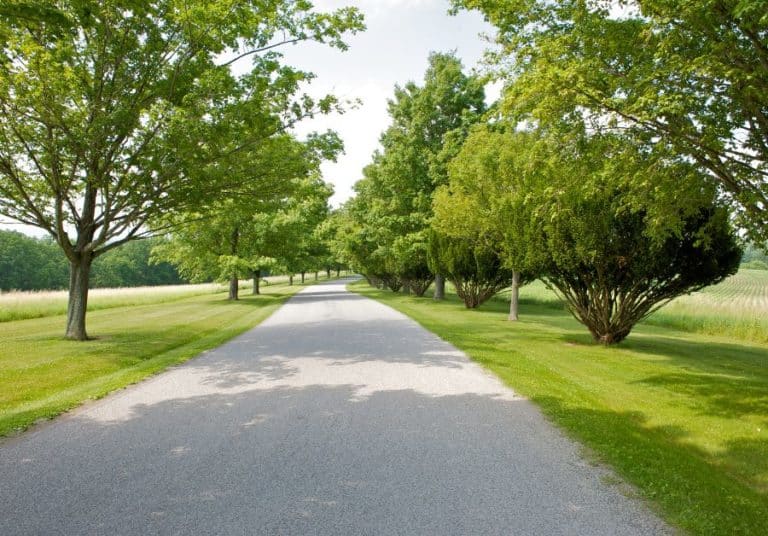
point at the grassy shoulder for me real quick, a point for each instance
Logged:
(43, 375)
(682, 416)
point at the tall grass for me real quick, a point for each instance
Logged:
(737, 307)
(23, 305)
(16, 305)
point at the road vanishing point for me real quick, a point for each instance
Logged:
(337, 415)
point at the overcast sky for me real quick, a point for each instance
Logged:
(393, 50)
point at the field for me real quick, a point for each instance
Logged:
(39, 304)
(682, 416)
(737, 307)
(42, 375)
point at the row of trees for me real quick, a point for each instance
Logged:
(125, 119)
(617, 217)
(28, 263)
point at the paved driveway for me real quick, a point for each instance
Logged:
(337, 415)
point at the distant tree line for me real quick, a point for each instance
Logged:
(28, 263)
(754, 258)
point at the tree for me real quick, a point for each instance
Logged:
(28, 263)
(110, 119)
(300, 250)
(475, 268)
(612, 247)
(692, 76)
(491, 166)
(240, 235)
(400, 181)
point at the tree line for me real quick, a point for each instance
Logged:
(623, 165)
(28, 263)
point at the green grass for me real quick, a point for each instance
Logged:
(682, 416)
(42, 375)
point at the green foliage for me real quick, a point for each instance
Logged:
(387, 236)
(28, 263)
(754, 253)
(690, 76)
(475, 269)
(618, 228)
(613, 252)
(133, 113)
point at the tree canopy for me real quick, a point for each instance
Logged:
(393, 206)
(131, 110)
(692, 76)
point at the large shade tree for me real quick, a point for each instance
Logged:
(692, 76)
(602, 229)
(110, 110)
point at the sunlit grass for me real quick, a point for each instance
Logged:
(42, 374)
(683, 416)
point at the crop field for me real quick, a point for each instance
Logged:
(737, 307)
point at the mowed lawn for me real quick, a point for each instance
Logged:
(42, 375)
(683, 416)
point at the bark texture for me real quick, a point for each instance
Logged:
(256, 281)
(79, 276)
(439, 287)
(514, 299)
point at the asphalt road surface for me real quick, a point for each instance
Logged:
(337, 415)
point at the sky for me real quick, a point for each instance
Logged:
(393, 50)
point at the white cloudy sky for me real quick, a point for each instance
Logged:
(393, 50)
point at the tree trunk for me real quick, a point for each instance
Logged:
(256, 281)
(328, 271)
(439, 287)
(234, 283)
(407, 288)
(514, 299)
(79, 276)
(338, 272)
(290, 279)
(234, 288)
(302, 277)
(317, 276)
